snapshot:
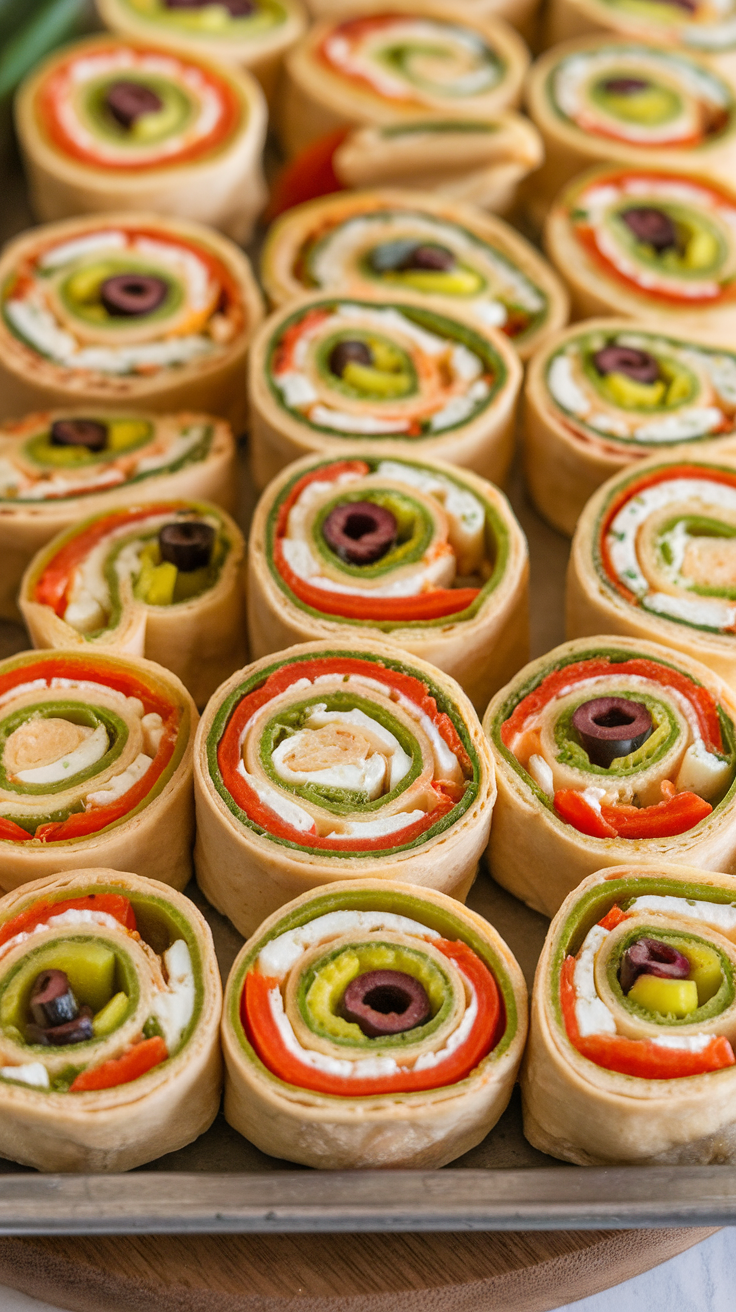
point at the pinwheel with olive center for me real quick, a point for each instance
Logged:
(630, 1056)
(654, 557)
(426, 556)
(317, 764)
(329, 376)
(59, 468)
(161, 580)
(597, 99)
(126, 310)
(698, 27)
(252, 34)
(608, 750)
(394, 65)
(95, 766)
(110, 1003)
(372, 1025)
(388, 241)
(109, 125)
(648, 243)
(601, 395)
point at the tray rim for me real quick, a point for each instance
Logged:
(292, 1202)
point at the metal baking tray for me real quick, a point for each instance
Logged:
(223, 1184)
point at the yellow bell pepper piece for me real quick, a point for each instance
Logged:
(669, 997)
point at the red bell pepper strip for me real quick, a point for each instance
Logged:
(613, 918)
(674, 816)
(309, 175)
(137, 1061)
(429, 605)
(260, 1028)
(572, 807)
(12, 832)
(103, 668)
(113, 904)
(283, 356)
(53, 583)
(639, 1057)
(565, 678)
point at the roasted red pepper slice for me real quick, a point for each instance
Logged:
(113, 904)
(137, 1061)
(674, 816)
(310, 174)
(572, 807)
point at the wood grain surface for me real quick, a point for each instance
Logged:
(479, 1272)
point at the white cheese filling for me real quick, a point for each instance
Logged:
(120, 783)
(280, 954)
(174, 1008)
(33, 1073)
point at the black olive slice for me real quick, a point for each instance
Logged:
(405, 254)
(650, 957)
(360, 532)
(129, 101)
(651, 225)
(351, 352)
(131, 294)
(611, 727)
(188, 544)
(79, 432)
(625, 86)
(637, 365)
(386, 1002)
(78, 1030)
(52, 1001)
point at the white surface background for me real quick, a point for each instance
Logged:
(700, 1280)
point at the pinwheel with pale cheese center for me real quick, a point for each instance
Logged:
(317, 764)
(653, 557)
(95, 766)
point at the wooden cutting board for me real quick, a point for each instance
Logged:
(469, 1272)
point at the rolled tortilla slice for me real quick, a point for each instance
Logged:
(58, 468)
(421, 1067)
(415, 242)
(125, 310)
(653, 557)
(319, 764)
(423, 555)
(520, 14)
(394, 65)
(252, 34)
(598, 99)
(699, 27)
(630, 1056)
(647, 244)
(329, 376)
(603, 394)
(609, 750)
(110, 1003)
(95, 765)
(160, 580)
(112, 125)
(477, 161)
